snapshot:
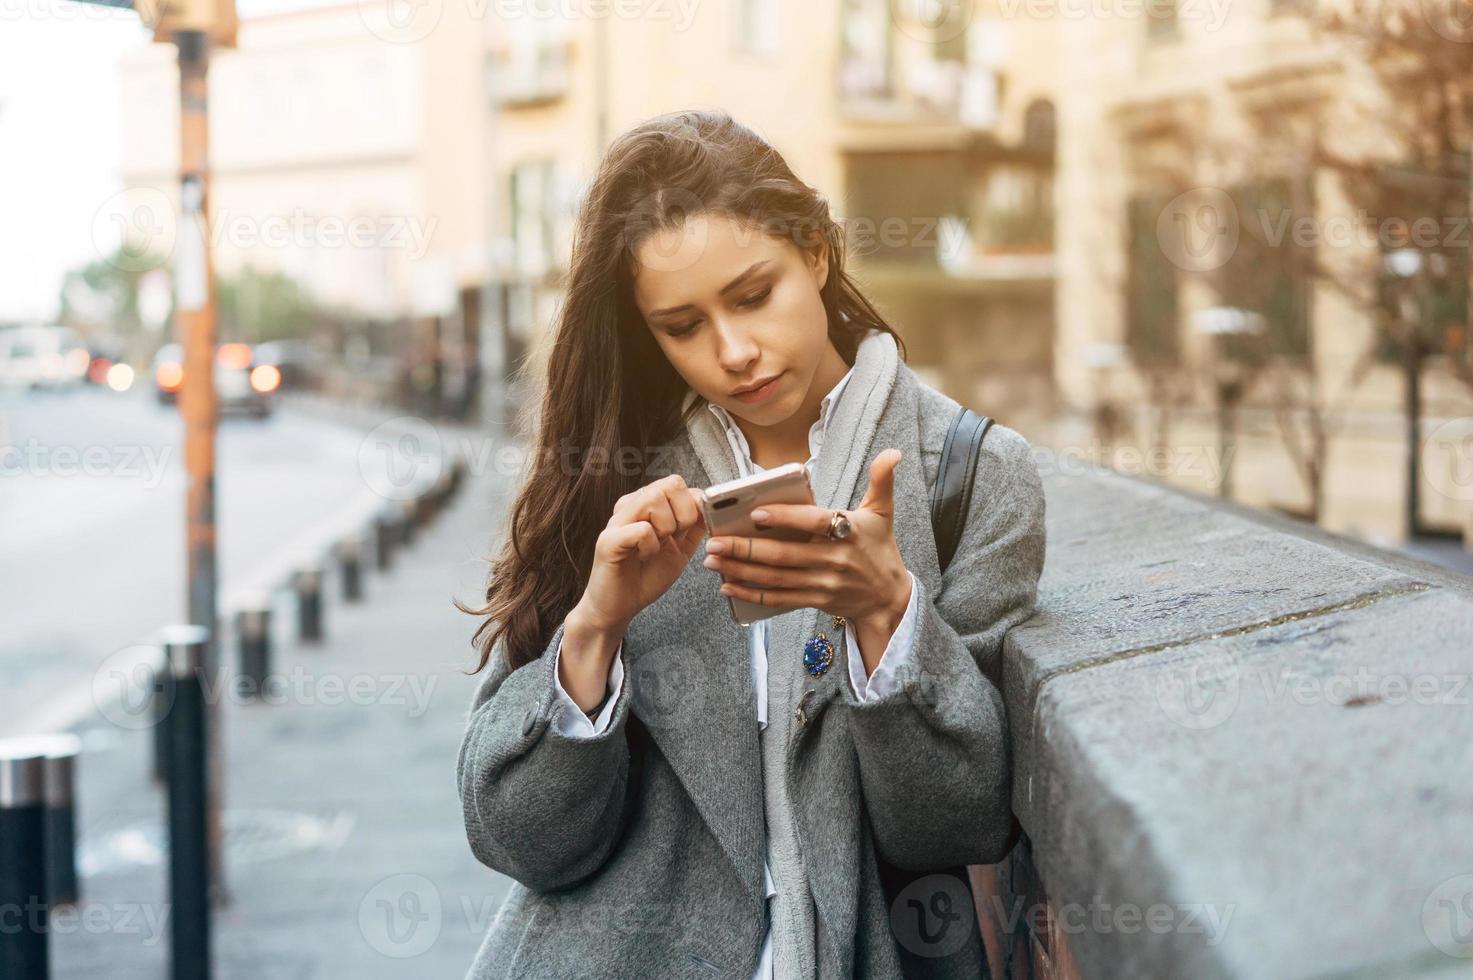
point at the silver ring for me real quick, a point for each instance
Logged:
(839, 526)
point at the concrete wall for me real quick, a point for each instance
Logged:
(1241, 746)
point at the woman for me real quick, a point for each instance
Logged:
(674, 795)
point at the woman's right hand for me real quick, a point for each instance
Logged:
(642, 550)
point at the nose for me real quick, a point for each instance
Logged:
(735, 349)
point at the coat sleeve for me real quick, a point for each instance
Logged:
(934, 758)
(540, 806)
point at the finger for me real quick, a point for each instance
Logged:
(788, 554)
(879, 496)
(685, 504)
(770, 576)
(803, 517)
(637, 539)
(659, 510)
(783, 600)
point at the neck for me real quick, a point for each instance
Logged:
(787, 441)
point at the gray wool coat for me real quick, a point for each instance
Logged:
(639, 852)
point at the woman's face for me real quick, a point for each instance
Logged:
(731, 307)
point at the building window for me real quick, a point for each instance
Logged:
(533, 67)
(1039, 125)
(1162, 23)
(866, 57)
(756, 29)
(1269, 272)
(1151, 322)
(534, 216)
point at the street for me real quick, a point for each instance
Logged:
(92, 522)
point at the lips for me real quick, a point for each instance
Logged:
(750, 389)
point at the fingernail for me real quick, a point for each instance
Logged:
(759, 515)
(711, 561)
(715, 547)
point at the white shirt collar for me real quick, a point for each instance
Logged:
(738, 440)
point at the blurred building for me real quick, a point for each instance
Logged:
(463, 134)
(1227, 288)
(348, 149)
(934, 142)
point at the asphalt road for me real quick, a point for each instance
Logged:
(92, 518)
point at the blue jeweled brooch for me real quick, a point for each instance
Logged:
(818, 652)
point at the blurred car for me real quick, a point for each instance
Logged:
(42, 357)
(298, 361)
(242, 384)
(102, 354)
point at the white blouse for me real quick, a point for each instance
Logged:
(573, 723)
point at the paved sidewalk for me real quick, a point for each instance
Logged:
(346, 853)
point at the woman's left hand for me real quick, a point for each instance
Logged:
(860, 577)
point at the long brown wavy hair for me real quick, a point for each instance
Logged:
(609, 393)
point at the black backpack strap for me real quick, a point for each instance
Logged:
(951, 496)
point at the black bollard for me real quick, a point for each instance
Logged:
(424, 508)
(457, 474)
(350, 564)
(307, 582)
(61, 817)
(384, 535)
(441, 490)
(24, 941)
(253, 639)
(408, 509)
(163, 697)
(189, 843)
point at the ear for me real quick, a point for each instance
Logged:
(818, 260)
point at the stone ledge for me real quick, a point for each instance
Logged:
(1213, 714)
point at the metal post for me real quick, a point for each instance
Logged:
(24, 940)
(408, 509)
(384, 536)
(194, 306)
(61, 753)
(308, 585)
(189, 837)
(424, 508)
(253, 639)
(163, 697)
(350, 565)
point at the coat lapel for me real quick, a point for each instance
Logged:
(693, 691)
(692, 680)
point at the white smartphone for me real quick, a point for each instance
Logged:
(728, 510)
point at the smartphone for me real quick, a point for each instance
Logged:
(728, 510)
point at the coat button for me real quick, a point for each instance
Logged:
(802, 704)
(530, 722)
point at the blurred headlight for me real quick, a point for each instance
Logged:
(265, 377)
(120, 377)
(169, 375)
(237, 356)
(77, 360)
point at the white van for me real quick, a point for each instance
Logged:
(42, 357)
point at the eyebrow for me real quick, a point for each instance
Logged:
(752, 270)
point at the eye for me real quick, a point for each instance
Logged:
(756, 298)
(682, 331)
